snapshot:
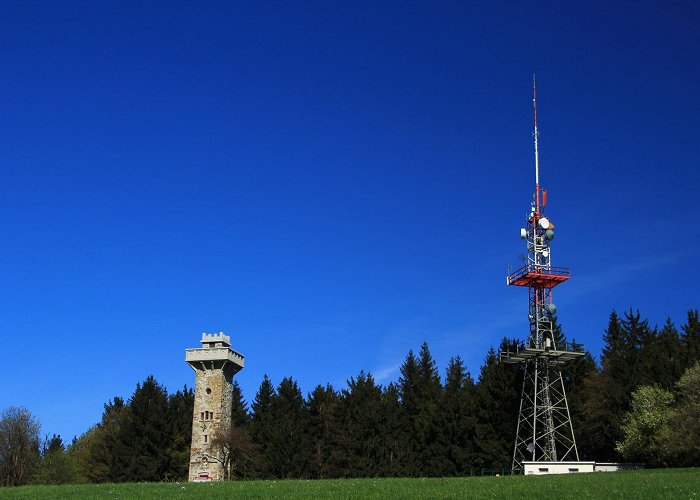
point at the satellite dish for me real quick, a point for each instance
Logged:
(544, 223)
(549, 234)
(531, 447)
(545, 253)
(551, 308)
(523, 233)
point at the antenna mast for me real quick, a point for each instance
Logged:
(544, 432)
(537, 154)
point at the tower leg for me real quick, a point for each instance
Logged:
(544, 432)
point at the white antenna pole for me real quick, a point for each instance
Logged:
(537, 155)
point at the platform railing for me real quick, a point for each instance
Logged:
(533, 268)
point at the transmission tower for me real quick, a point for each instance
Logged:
(544, 432)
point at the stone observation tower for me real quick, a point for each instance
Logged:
(214, 364)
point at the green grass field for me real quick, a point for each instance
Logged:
(647, 484)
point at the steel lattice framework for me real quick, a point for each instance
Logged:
(544, 432)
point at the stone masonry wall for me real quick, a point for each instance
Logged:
(212, 410)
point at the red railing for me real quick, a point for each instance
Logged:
(540, 270)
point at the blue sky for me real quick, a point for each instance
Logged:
(330, 183)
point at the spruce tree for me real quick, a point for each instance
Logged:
(239, 407)
(609, 392)
(323, 404)
(289, 446)
(498, 403)
(143, 436)
(575, 374)
(665, 359)
(361, 429)
(394, 443)
(95, 451)
(262, 426)
(421, 393)
(459, 423)
(410, 408)
(180, 410)
(691, 339)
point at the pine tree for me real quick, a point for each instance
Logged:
(575, 374)
(143, 436)
(605, 394)
(289, 445)
(323, 404)
(262, 426)
(638, 336)
(625, 364)
(666, 357)
(180, 410)
(394, 443)
(421, 392)
(365, 433)
(95, 451)
(458, 408)
(239, 408)
(691, 339)
(410, 408)
(498, 403)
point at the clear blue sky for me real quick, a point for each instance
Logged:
(330, 183)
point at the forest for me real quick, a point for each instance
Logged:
(639, 402)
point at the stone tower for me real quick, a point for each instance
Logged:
(214, 364)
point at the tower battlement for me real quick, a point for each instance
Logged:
(215, 340)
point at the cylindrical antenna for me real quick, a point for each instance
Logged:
(537, 155)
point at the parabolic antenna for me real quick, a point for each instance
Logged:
(544, 223)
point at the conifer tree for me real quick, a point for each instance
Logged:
(421, 393)
(575, 374)
(498, 402)
(361, 429)
(410, 408)
(323, 404)
(394, 443)
(239, 407)
(289, 446)
(95, 451)
(262, 426)
(691, 339)
(180, 410)
(143, 436)
(458, 408)
(665, 357)
(609, 392)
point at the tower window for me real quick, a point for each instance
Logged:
(202, 416)
(208, 390)
(206, 438)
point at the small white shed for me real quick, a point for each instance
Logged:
(539, 468)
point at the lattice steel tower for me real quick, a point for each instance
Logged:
(544, 432)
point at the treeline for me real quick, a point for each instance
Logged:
(424, 424)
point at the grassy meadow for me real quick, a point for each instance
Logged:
(646, 484)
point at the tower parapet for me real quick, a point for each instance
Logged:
(214, 364)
